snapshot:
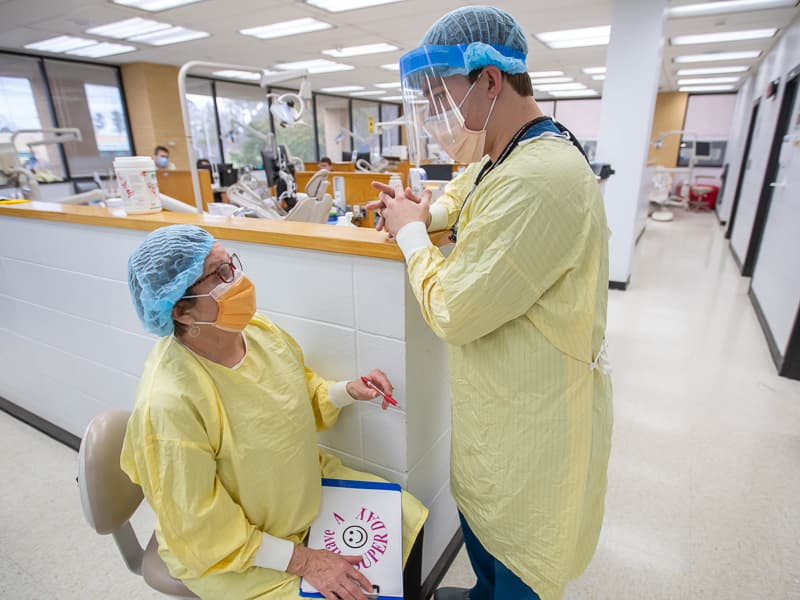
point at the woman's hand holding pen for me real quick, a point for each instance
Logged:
(375, 384)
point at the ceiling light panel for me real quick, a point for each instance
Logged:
(315, 66)
(360, 50)
(233, 74)
(154, 5)
(716, 56)
(594, 70)
(369, 93)
(391, 67)
(538, 74)
(560, 87)
(576, 38)
(706, 88)
(342, 88)
(173, 35)
(599, 77)
(730, 6)
(713, 70)
(62, 43)
(99, 50)
(286, 28)
(723, 36)
(343, 5)
(127, 28)
(537, 81)
(392, 98)
(708, 80)
(574, 93)
(390, 85)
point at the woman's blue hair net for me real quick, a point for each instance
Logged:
(491, 36)
(162, 268)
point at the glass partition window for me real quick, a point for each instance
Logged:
(364, 113)
(243, 115)
(298, 139)
(333, 127)
(24, 105)
(391, 136)
(202, 119)
(88, 97)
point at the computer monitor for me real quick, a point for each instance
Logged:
(438, 172)
(227, 174)
(270, 166)
(363, 156)
(702, 150)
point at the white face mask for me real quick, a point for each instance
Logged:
(451, 133)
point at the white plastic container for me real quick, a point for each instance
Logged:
(138, 185)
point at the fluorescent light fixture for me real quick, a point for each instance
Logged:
(715, 56)
(342, 5)
(391, 67)
(154, 5)
(342, 88)
(101, 49)
(392, 98)
(723, 36)
(599, 77)
(576, 38)
(360, 50)
(594, 70)
(390, 85)
(369, 93)
(319, 65)
(62, 43)
(538, 74)
(121, 30)
(286, 28)
(173, 35)
(712, 71)
(705, 9)
(234, 74)
(560, 87)
(574, 93)
(706, 88)
(706, 80)
(537, 81)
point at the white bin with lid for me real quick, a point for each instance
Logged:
(138, 185)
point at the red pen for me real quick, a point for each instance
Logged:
(386, 397)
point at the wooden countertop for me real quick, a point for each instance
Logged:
(358, 241)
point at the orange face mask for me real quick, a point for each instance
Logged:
(236, 301)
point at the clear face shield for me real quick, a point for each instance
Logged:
(435, 91)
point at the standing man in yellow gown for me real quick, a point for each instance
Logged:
(521, 302)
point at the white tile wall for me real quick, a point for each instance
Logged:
(389, 356)
(426, 477)
(345, 436)
(380, 296)
(312, 285)
(384, 434)
(440, 527)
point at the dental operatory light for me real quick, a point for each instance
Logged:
(343, 5)
(704, 9)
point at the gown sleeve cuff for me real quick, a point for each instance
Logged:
(412, 237)
(337, 394)
(439, 218)
(274, 553)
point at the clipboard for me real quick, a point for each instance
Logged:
(362, 517)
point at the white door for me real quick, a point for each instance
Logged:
(776, 278)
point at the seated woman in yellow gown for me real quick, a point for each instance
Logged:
(222, 438)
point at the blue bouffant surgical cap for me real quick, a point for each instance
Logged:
(489, 33)
(162, 268)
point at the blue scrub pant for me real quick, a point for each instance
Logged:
(495, 581)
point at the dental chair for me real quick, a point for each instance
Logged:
(109, 500)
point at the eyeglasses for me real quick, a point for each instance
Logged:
(226, 271)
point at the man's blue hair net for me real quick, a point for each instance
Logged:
(162, 268)
(488, 32)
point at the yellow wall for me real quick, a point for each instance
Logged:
(154, 109)
(669, 116)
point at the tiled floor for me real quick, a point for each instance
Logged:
(704, 484)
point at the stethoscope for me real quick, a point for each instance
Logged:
(489, 166)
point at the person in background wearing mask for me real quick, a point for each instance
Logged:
(325, 163)
(222, 438)
(521, 302)
(161, 158)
